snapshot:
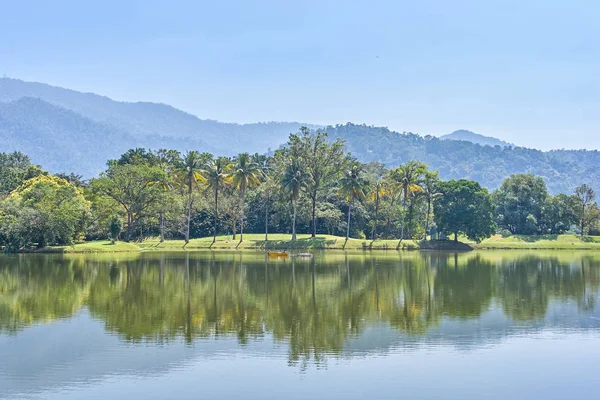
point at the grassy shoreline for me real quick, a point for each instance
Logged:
(328, 242)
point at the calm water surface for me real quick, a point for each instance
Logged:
(349, 326)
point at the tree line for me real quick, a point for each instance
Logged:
(310, 185)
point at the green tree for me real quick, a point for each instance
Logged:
(45, 210)
(294, 181)
(321, 159)
(246, 175)
(15, 168)
(430, 192)
(519, 203)
(352, 188)
(190, 176)
(584, 197)
(216, 175)
(406, 181)
(378, 191)
(130, 185)
(464, 207)
(115, 229)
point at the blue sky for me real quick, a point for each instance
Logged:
(524, 71)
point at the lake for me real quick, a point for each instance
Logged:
(382, 325)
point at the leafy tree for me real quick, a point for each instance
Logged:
(131, 186)
(519, 203)
(190, 174)
(558, 214)
(246, 175)
(584, 197)
(464, 207)
(115, 228)
(14, 169)
(352, 188)
(294, 182)
(216, 175)
(406, 181)
(378, 190)
(45, 210)
(321, 159)
(430, 193)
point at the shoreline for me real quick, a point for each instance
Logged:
(256, 242)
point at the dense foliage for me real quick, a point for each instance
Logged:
(311, 185)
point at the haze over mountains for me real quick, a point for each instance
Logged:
(69, 131)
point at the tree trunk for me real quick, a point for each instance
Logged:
(403, 219)
(348, 227)
(266, 220)
(455, 237)
(314, 214)
(162, 226)
(189, 219)
(582, 220)
(374, 235)
(294, 220)
(427, 218)
(216, 214)
(242, 216)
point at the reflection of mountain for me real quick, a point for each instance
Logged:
(108, 311)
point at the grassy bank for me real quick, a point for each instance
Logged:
(329, 242)
(540, 242)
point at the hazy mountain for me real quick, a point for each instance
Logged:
(66, 131)
(144, 119)
(562, 170)
(476, 138)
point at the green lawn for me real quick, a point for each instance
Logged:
(550, 242)
(283, 241)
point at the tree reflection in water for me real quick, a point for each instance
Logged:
(313, 305)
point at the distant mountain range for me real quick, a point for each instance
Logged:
(69, 131)
(476, 138)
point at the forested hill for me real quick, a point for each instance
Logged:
(144, 120)
(473, 137)
(562, 170)
(69, 131)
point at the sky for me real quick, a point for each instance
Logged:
(527, 72)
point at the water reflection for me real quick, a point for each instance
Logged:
(313, 306)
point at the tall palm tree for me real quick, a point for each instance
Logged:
(166, 160)
(378, 191)
(293, 182)
(430, 192)
(216, 175)
(190, 176)
(406, 180)
(246, 175)
(352, 187)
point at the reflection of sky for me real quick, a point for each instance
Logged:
(38, 361)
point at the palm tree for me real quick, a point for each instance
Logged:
(164, 183)
(293, 182)
(190, 176)
(406, 179)
(246, 175)
(352, 187)
(166, 159)
(216, 175)
(379, 190)
(430, 183)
